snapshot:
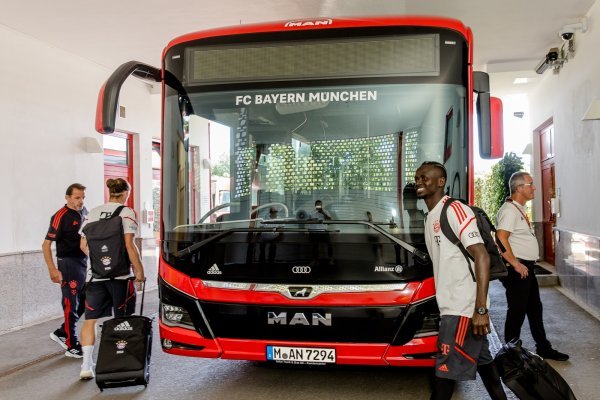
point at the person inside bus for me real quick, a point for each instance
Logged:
(268, 239)
(319, 213)
(319, 235)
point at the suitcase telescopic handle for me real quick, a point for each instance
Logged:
(143, 293)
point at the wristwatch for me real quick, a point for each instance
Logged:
(481, 310)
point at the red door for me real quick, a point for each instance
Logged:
(118, 161)
(548, 188)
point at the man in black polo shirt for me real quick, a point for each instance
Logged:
(72, 265)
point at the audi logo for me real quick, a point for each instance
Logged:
(301, 270)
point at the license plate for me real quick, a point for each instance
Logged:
(301, 355)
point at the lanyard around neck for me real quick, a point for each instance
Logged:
(511, 201)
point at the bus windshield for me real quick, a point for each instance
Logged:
(256, 160)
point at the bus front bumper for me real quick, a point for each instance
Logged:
(419, 352)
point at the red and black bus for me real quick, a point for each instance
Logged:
(264, 123)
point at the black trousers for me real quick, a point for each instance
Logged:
(73, 272)
(523, 298)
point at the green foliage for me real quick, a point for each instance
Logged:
(479, 185)
(221, 168)
(492, 190)
(156, 206)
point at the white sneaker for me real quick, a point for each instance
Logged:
(87, 374)
(59, 338)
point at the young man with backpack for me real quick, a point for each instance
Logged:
(463, 348)
(107, 236)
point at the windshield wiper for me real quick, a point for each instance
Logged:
(413, 250)
(312, 221)
(222, 234)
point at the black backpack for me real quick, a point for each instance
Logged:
(106, 243)
(485, 226)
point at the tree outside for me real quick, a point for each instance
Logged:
(492, 190)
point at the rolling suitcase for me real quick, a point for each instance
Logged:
(124, 351)
(529, 376)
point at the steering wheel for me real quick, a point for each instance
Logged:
(221, 206)
(214, 210)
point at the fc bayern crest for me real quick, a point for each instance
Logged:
(436, 226)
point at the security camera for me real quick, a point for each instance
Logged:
(566, 33)
(551, 59)
(552, 55)
(542, 66)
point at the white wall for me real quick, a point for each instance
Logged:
(565, 97)
(143, 121)
(47, 107)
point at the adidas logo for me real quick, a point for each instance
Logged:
(104, 249)
(443, 368)
(123, 326)
(214, 270)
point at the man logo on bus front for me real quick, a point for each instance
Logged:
(297, 291)
(308, 22)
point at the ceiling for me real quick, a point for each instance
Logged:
(511, 36)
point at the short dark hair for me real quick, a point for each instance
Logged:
(318, 202)
(74, 186)
(437, 165)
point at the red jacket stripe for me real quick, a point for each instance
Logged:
(461, 209)
(57, 217)
(465, 227)
(459, 212)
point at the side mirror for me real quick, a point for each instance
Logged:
(489, 118)
(108, 98)
(497, 131)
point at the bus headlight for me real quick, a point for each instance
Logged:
(175, 316)
(429, 326)
(421, 319)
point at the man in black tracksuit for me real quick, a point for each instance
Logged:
(72, 265)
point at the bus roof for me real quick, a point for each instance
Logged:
(330, 23)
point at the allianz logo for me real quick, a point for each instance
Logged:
(214, 270)
(397, 269)
(123, 326)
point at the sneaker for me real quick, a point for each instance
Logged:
(60, 338)
(86, 374)
(553, 354)
(74, 351)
